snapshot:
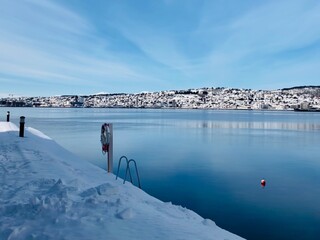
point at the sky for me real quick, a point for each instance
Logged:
(85, 47)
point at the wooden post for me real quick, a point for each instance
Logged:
(8, 116)
(22, 121)
(110, 152)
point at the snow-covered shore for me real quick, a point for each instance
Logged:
(48, 193)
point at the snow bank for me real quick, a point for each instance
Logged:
(49, 193)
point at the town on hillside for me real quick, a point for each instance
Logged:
(296, 98)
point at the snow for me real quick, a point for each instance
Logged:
(38, 133)
(49, 193)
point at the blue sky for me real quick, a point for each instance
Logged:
(84, 47)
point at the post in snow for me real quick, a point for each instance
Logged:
(8, 116)
(107, 144)
(22, 122)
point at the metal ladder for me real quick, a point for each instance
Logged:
(128, 170)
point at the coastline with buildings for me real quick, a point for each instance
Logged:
(304, 98)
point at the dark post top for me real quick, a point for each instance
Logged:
(8, 116)
(22, 119)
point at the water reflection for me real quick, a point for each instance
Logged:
(304, 126)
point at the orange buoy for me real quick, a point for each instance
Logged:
(263, 183)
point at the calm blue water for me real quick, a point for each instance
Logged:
(209, 161)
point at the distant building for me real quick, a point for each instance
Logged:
(305, 105)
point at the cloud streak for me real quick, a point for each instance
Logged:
(261, 37)
(43, 41)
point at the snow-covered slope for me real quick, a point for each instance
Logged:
(48, 193)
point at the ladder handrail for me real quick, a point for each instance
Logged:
(128, 170)
(128, 167)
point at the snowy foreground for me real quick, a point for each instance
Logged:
(48, 193)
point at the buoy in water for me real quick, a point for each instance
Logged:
(263, 183)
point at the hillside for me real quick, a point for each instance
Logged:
(201, 98)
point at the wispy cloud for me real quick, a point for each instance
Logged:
(232, 48)
(277, 26)
(260, 39)
(41, 40)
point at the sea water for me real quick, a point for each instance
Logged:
(209, 161)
